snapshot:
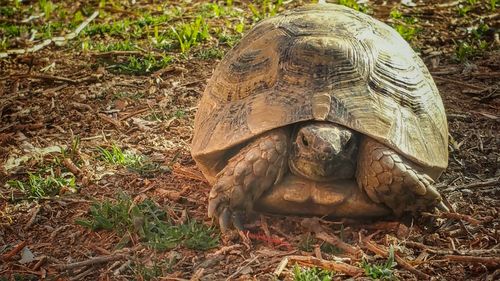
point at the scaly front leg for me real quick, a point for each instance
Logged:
(389, 178)
(254, 169)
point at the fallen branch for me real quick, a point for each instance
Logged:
(383, 253)
(492, 262)
(56, 40)
(92, 261)
(329, 265)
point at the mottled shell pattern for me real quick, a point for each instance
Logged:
(322, 62)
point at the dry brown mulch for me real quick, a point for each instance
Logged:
(82, 99)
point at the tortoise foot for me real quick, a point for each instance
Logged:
(388, 178)
(253, 170)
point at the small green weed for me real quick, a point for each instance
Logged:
(404, 24)
(480, 31)
(353, 4)
(4, 44)
(308, 242)
(159, 268)
(229, 40)
(383, 271)
(464, 51)
(210, 53)
(493, 4)
(407, 32)
(7, 11)
(147, 20)
(112, 29)
(151, 223)
(12, 30)
(47, 7)
(311, 274)
(45, 183)
(191, 34)
(137, 163)
(115, 46)
(462, 10)
(130, 95)
(265, 8)
(143, 65)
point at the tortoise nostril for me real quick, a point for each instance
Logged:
(327, 150)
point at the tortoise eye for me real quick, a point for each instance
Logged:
(304, 140)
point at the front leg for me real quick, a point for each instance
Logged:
(254, 169)
(388, 178)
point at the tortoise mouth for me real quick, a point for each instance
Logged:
(321, 172)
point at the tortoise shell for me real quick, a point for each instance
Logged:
(322, 62)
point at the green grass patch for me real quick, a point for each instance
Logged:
(191, 34)
(353, 4)
(464, 51)
(44, 184)
(137, 163)
(311, 274)
(382, 271)
(47, 7)
(126, 45)
(10, 30)
(210, 53)
(150, 223)
(152, 272)
(307, 243)
(141, 65)
(264, 8)
(229, 39)
(463, 10)
(404, 25)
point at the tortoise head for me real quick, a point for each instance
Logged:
(323, 151)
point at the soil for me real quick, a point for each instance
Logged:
(60, 93)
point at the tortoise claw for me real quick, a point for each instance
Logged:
(229, 219)
(442, 207)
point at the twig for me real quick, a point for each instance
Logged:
(492, 262)
(330, 265)
(313, 224)
(33, 217)
(92, 261)
(134, 113)
(56, 40)
(189, 173)
(454, 216)
(116, 53)
(68, 163)
(83, 274)
(432, 250)
(382, 252)
(487, 182)
(241, 267)
(14, 251)
(224, 250)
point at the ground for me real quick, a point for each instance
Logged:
(97, 181)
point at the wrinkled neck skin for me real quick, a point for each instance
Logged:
(323, 151)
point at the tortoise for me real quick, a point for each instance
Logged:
(321, 110)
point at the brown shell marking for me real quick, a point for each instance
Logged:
(322, 62)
